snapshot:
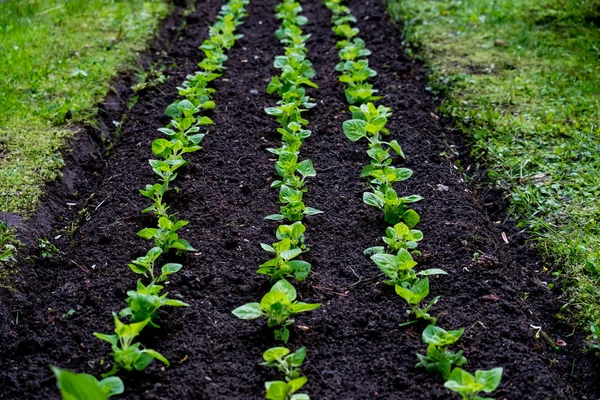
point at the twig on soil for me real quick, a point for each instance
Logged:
(84, 269)
(328, 168)
(80, 316)
(360, 280)
(102, 202)
(330, 290)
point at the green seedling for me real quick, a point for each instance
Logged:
(277, 307)
(280, 390)
(396, 238)
(284, 361)
(47, 249)
(292, 172)
(144, 302)
(469, 386)
(386, 199)
(165, 236)
(145, 266)
(345, 30)
(414, 294)
(293, 208)
(283, 264)
(293, 232)
(399, 268)
(439, 359)
(127, 354)
(74, 386)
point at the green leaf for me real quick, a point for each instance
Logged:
(312, 211)
(411, 218)
(298, 357)
(432, 271)
(489, 379)
(275, 353)
(396, 147)
(355, 129)
(171, 268)
(155, 354)
(286, 288)
(112, 386)
(372, 199)
(74, 386)
(183, 244)
(303, 307)
(277, 390)
(147, 233)
(275, 217)
(248, 311)
(297, 383)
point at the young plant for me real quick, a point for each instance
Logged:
(277, 307)
(283, 264)
(285, 362)
(127, 355)
(293, 232)
(293, 208)
(397, 238)
(165, 236)
(414, 294)
(145, 301)
(439, 359)
(281, 390)
(145, 266)
(469, 386)
(74, 386)
(400, 268)
(394, 207)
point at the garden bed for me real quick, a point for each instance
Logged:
(356, 350)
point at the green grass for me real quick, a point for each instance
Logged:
(522, 78)
(57, 60)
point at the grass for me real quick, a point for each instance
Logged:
(58, 58)
(521, 77)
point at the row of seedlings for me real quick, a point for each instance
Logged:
(395, 258)
(280, 304)
(183, 137)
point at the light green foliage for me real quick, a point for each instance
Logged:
(277, 306)
(283, 264)
(284, 361)
(414, 293)
(165, 236)
(85, 387)
(469, 386)
(280, 390)
(126, 353)
(46, 73)
(521, 78)
(438, 358)
(144, 302)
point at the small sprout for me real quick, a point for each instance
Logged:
(285, 362)
(469, 386)
(439, 359)
(277, 307)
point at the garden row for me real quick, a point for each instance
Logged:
(395, 259)
(183, 137)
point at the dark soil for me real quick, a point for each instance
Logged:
(356, 348)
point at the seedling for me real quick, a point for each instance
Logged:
(293, 208)
(280, 390)
(74, 386)
(283, 264)
(127, 355)
(294, 232)
(145, 301)
(394, 207)
(414, 294)
(396, 238)
(165, 237)
(277, 307)
(400, 268)
(48, 250)
(439, 359)
(469, 386)
(285, 362)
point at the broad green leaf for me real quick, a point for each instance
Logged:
(489, 379)
(147, 233)
(312, 211)
(303, 307)
(277, 390)
(248, 311)
(297, 383)
(396, 147)
(411, 218)
(286, 288)
(298, 357)
(171, 268)
(372, 199)
(355, 129)
(78, 386)
(112, 386)
(155, 354)
(275, 353)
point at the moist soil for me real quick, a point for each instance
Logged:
(356, 348)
